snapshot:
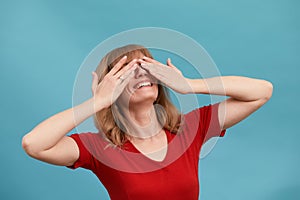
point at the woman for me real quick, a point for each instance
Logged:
(145, 148)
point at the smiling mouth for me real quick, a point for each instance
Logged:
(143, 84)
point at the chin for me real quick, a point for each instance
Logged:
(144, 100)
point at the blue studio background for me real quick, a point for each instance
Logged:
(43, 44)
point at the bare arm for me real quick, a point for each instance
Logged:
(48, 141)
(246, 96)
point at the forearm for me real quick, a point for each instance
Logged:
(49, 132)
(237, 87)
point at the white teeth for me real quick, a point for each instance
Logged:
(143, 84)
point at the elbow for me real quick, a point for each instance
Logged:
(28, 146)
(268, 90)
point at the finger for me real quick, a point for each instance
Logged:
(155, 70)
(152, 68)
(141, 61)
(169, 63)
(161, 74)
(128, 72)
(126, 68)
(151, 60)
(116, 68)
(146, 66)
(128, 76)
(94, 81)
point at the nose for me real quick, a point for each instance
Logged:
(139, 71)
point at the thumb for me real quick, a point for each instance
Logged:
(173, 66)
(169, 62)
(94, 81)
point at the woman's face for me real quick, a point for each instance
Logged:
(142, 88)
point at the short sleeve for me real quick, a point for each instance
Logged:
(204, 121)
(209, 122)
(85, 159)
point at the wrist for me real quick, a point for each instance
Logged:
(95, 105)
(196, 85)
(190, 83)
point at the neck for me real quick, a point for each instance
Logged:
(143, 121)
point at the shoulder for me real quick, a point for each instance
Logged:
(204, 119)
(90, 140)
(85, 135)
(205, 110)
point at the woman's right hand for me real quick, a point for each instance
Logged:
(109, 89)
(48, 141)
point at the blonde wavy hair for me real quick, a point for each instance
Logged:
(110, 121)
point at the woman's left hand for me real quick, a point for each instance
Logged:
(167, 74)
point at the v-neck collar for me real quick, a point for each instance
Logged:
(129, 146)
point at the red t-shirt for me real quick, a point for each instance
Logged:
(128, 174)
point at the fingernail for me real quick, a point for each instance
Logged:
(124, 57)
